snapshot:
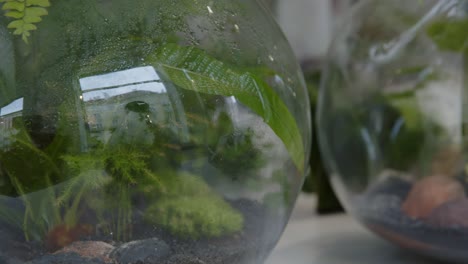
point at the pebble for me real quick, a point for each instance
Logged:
(184, 259)
(4, 259)
(66, 258)
(430, 193)
(451, 214)
(150, 251)
(89, 249)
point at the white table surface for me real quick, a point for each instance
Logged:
(334, 239)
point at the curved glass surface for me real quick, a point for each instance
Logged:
(147, 131)
(392, 122)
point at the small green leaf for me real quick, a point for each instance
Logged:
(450, 35)
(13, 6)
(32, 19)
(14, 14)
(16, 24)
(35, 11)
(193, 69)
(28, 27)
(43, 3)
(26, 13)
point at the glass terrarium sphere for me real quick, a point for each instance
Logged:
(150, 131)
(392, 121)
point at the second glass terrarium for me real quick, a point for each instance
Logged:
(150, 131)
(392, 121)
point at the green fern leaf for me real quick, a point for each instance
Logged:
(26, 13)
(18, 6)
(41, 3)
(14, 14)
(35, 12)
(16, 24)
(192, 69)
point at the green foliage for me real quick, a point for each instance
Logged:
(186, 206)
(195, 217)
(193, 69)
(450, 35)
(182, 184)
(89, 177)
(128, 166)
(379, 133)
(40, 213)
(24, 157)
(397, 128)
(26, 13)
(117, 173)
(236, 155)
(406, 143)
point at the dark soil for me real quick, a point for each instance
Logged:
(380, 209)
(252, 245)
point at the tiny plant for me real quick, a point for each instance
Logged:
(25, 14)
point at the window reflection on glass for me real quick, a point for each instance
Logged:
(8, 113)
(106, 98)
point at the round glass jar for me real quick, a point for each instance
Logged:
(149, 131)
(392, 122)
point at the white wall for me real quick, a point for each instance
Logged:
(307, 25)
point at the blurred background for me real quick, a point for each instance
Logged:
(318, 231)
(308, 25)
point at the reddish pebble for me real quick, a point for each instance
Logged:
(430, 193)
(89, 249)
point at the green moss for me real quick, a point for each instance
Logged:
(195, 217)
(186, 206)
(182, 184)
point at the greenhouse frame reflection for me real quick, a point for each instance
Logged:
(105, 97)
(7, 114)
(121, 82)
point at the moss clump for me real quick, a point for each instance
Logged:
(189, 208)
(195, 217)
(177, 184)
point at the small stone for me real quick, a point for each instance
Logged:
(430, 193)
(66, 258)
(89, 249)
(451, 214)
(184, 259)
(150, 251)
(4, 259)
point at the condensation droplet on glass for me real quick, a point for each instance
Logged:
(209, 9)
